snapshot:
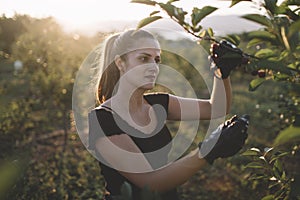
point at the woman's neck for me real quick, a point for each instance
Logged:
(130, 101)
(134, 109)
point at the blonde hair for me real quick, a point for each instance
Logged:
(116, 44)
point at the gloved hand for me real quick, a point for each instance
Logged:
(226, 57)
(226, 140)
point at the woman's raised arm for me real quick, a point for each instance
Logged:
(218, 105)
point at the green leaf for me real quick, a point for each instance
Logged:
(281, 9)
(255, 83)
(199, 14)
(294, 28)
(254, 42)
(276, 66)
(258, 19)
(169, 8)
(292, 2)
(146, 2)
(255, 165)
(276, 157)
(210, 32)
(196, 29)
(233, 2)
(179, 14)
(202, 33)
(255, 149)
(265, 35)
(268, 149)
(154, 13)
(147, 21)
(257, 177)
(278, 167)
(252, 152)
(288, 135)
(262, 158)
(271, 5)
(265, 53)
(283, 176)
(281, 77)
(233, 38)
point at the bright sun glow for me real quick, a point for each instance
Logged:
(79, 14)
(81, 11)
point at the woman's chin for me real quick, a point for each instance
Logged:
(148, 86)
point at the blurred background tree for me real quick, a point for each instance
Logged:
(37, 135)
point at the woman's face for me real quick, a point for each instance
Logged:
(140, 68)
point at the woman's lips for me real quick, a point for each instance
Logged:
(151, 76)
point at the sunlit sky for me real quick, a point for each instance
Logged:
(80, 14)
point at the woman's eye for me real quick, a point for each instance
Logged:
(144, 59)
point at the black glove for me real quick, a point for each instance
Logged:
(226, 140)
(226, 56)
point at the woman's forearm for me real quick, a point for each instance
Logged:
(217, 106)
(170, 176)
(221, 97)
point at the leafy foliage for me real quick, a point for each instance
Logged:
(288, 135)
(36, 110)
(267, 166)
(233, 2)
(179, 15)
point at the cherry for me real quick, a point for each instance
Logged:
(214, 49)
(215, 46)
(261, 73)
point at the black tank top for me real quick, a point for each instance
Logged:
(162, 137)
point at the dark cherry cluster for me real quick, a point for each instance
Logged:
(260, 73)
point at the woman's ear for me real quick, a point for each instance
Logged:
(119, 63)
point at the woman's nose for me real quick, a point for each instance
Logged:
(154, 67)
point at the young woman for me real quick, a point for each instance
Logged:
(128, 130)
